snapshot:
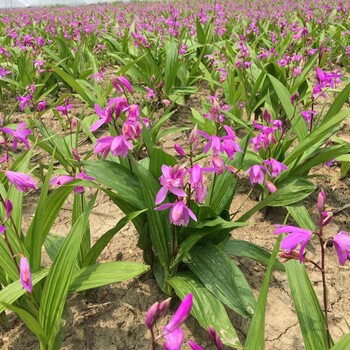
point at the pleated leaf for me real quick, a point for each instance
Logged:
(343, 343)
(206, 308)
(245, 249)
(60, 276)
(222, 278)
(124, 184)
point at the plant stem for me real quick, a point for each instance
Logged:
(240, 207)
(153, 340)
(324, 286)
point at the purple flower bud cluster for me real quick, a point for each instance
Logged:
(172, 332)
(129, 130)
(298, 236)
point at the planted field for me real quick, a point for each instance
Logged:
(192, 150)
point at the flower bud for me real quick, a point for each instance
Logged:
(270, 186)
(321, 199)
(179, 150)
(8, 208)
(151, 315)
(215, 337)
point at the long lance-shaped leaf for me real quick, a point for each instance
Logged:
(301, 216)
(317, 135)
(102, 242)
(222, 278)
(159, 226)
(46, 214)
(60, 276)
(255, 337)
(75, 85)
(245, 249)
(283, 94)
(99, 275)
(32, 323)
(206, 308)
(14, 291)
(338, 103)
(311, 318)
(343, 343)
(34, 237)
(125, 185)
(289, 193)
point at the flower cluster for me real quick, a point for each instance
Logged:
(298, 236)
(128, 131)
(172, 332)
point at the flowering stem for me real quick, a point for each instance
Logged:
(153, 340)
(323, 273)
(212, 189)
(240, 207)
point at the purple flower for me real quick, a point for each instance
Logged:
(4, 72)
(2, 229)
(8, 208)
(171, 180)
(180, 315)
(270, 186)
(194, 345)
(214, 336)
(120, 83)
(156, 312)
(174, 340)
(21, 181)
(276, 167)
(24, 101)
(25, 275)
(150, 94)
(296, 236)
(41, 106)
(64, 109)
(105, 117)
(179, 214)
(179, 150)
(256, 174)
(20, 134)
(308, 115)
(342, 246)
(118, 146)
(61, 180)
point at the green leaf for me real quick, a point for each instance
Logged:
(74, 84)
(32, 324)
(53, 244)
(319, 134)
(14, 291)
(301, 216)
(245, 249)
(204, 228)
(338, 103)
(310, 316)
(343, 343)
(206, 308)
(60, 276)
(111, 174)
(283, 94)
(99, 275)
(159, 226)
(159, 157)
(255, 337)
(102, 242)
(222, 278)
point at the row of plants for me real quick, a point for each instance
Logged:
(272, 112)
